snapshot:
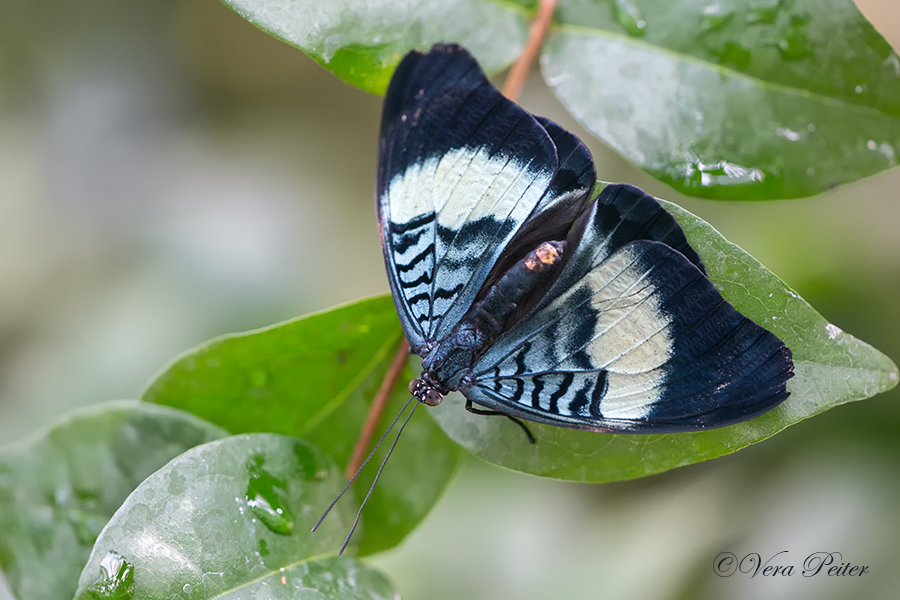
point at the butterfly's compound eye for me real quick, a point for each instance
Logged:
(432, 397)
(423, 391)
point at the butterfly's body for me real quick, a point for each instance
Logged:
(532, 299)
(448, 364)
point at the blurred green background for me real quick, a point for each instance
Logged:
(169, 173)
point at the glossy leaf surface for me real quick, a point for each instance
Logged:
(361, 42)
(232, 519)
(58, 489)
(314, 378)
(831, 367)
(733, 99)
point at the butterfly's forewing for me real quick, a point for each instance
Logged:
(632, 336)
(461, 170)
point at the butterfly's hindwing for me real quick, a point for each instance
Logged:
(596, 349)
(641, 341)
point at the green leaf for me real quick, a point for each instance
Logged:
(361, 42)
(831, 367)
(737, 99)
(314, 378)
(232, 519)
(58, 489)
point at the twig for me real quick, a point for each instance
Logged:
(378, 404)
(516, 78)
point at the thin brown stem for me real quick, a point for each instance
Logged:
(378, 404)
(519, 71)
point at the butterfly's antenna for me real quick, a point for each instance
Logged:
(365, 462)
(378, 474)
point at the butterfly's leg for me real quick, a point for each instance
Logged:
(480, 411)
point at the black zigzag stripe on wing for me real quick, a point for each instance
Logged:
(461, 168)
(641, 343)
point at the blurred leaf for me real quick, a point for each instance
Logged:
(831, 368)
(314, 378)
(232, 519)
(361, 42)
(736, 99)
(59, 489)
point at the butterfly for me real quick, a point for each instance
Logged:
(530, 298)
(534, 301)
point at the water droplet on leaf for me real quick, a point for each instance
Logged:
(116, 581)
(630, 17)
(693, 178)
(699, 174)
(793, 48)
(794, 43)
(265, 500)
(788, 134)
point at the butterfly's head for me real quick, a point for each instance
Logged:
(425, 390)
